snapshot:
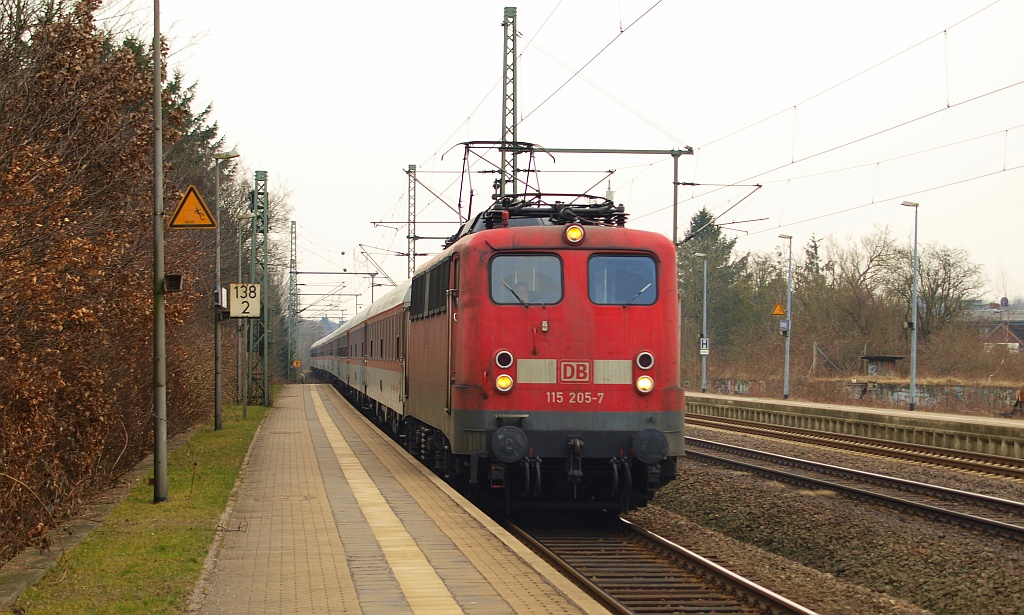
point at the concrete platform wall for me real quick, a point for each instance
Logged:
(992, 436)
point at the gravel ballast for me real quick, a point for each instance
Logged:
(834, 554)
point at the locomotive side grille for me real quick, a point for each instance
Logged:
(545, 371)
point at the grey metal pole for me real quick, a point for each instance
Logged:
(243, 323)
(250, 342)
(704, 333)
(159, 314)
(675, 242)
(218, 307)
(240, 329)
(789, 315)
(675, 199)
(913, 321)
(217, 407)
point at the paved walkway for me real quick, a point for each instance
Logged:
(331, 517)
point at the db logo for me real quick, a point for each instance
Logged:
(574, 371)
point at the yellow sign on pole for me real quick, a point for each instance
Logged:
(296, 363)
(778, 311)
(192, 212)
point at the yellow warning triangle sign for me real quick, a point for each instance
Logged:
(192, 212)
(778, 311)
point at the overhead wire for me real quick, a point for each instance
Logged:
(892, 198)
(892, 159)
(894, 127)
(588, 62)
(531, 41)
(948, 107)
(851, 78)
(650, 122)
(457, 129)
(578, 73)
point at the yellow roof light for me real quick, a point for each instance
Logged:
(574, 234)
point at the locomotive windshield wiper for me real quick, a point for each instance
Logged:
(638, 293)
(516, 295)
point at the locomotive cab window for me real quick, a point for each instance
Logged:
(526, 279)
(622, 280)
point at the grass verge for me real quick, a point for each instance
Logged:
(146, 557)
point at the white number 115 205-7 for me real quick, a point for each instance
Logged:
(574, 397)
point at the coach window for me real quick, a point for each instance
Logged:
(622, 280)
(528, 278)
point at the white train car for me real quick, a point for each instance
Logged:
(366, 355)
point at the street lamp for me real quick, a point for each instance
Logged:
(913, 316)
(704, 345)
(159, 305)
(219, 303)
(788, 322)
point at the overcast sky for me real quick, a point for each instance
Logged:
(841, 111)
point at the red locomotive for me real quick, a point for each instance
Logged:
(534, 361)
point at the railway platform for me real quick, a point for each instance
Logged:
(974, 434)
(331, 516)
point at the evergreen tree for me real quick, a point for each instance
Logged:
(725, 301)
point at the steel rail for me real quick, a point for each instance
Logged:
(631, 570)
(997, 515)
(944, 457)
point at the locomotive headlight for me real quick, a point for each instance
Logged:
(645, 360)
(645, 384)
(503, 383)
(573, 234)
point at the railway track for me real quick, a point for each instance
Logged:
(991, 514)
(634, 571)
(943, 457)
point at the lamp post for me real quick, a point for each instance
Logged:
(704, 345)
(159, 307)
(219, 302)
(789, 315)
(913, 316)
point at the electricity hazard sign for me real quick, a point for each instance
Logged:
(779, 310)
(192, 212)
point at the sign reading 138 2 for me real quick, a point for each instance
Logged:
(244, 301)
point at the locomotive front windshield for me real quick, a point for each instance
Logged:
(622, 280)
(526, 279)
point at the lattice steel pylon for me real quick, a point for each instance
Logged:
(412, 220)
(509, 129)
(293, 309)
(258, 389)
